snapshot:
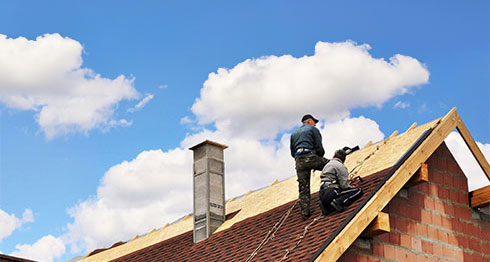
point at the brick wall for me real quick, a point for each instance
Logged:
(430, 222)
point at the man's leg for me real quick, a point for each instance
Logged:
(348, 196)
(304, 192)
(303, 174)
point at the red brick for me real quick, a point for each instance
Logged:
(422, 258)
(439, 206)
(389, 252)
(378, 249)
(421, 230)
(428, 203)
(423, 187)
(426, 217)
(453, 167)
(416, 244)
(436, 220)
(432, 232)
(440, 163)
(448, 180)
(475, 245)
(394, 238)
(449, 209)
(442, 236)
(447, 222)
(401, 254)
(427, 247)
(452, 239)
(405, 240)
(437, 250)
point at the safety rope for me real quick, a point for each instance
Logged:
(272, 232)
(300, 239)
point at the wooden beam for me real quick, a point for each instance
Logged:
(371, 209)
(480, 197)
(412, 127)
(470, 142)
(421, 176)
(380, 225)
(393, 134)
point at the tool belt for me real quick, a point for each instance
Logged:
(302, 151)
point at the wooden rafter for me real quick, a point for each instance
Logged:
(422, 175)
(480, 197)
(380, 225)
(470, 142)
(401, 176)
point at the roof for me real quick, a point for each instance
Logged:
(386, 166)
(13, 259)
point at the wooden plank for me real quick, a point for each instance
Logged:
(393, 134)
(475, 150)
(422, 175)
(361, 220)
(480, 197)
(412, 127)
(380, 225)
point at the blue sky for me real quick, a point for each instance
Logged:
(159, 90)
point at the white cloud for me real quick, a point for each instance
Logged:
(467, 162)
(401, 105)
(45, 249)
(9, 223)
(45, 75)
(133, 198)
(271, 93)
(142, 103)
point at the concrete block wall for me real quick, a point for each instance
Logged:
(430, 222)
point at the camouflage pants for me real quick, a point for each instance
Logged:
(304, 164)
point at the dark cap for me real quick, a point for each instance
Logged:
(308, 116)
(340, 154)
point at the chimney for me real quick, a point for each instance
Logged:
(209, 188)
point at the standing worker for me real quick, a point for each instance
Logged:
(307, 150)
(335, 191)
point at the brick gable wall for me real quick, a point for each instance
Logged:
(430, 222)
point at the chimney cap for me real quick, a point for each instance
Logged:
(209, 142)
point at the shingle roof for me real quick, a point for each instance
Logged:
(5, 258)
(239, 241)
(332, 235)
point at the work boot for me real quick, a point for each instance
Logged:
(324, 210)
(337, 207)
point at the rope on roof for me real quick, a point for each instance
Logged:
(272, 232)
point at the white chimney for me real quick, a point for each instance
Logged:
(209, 188)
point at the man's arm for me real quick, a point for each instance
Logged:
(343, 176)
(291, 146)
(318, 142)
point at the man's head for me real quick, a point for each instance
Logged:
(309, 119)
(340, 154)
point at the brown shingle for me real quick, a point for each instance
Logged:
(239, 241)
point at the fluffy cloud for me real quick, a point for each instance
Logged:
(45, 249)
(271, 93)
(467, 162)
(45, 75)
(133, 198)
(9, 223)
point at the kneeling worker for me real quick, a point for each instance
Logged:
(335, 191)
